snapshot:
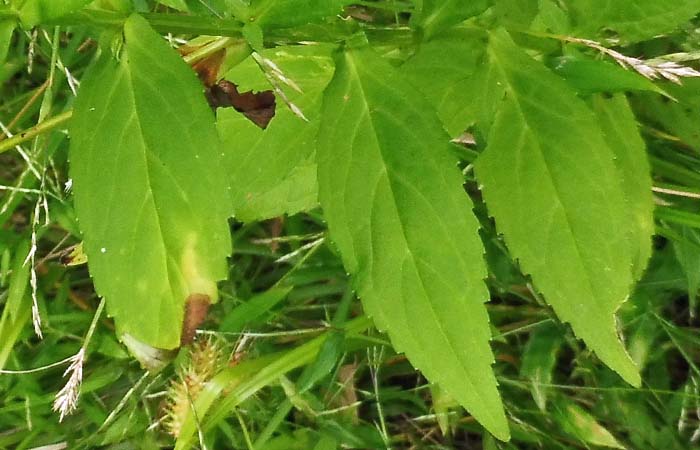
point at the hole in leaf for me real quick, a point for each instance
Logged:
(258, 107)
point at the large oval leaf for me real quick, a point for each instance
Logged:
(550, 182)
(149, 189)
(396, 209)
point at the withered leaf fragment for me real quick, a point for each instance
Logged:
(196, 310)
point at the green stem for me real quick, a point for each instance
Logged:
(163, 23)
(171, 23)
(36, 130)
(239, 47)
(93, 324)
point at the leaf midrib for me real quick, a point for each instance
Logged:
(149, 186)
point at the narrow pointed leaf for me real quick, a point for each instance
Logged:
(396, 209)
(590, 76)
(687, 252)
(539, 360)
(7, 27)
(550, 182)
(581, 425)
(18, 282)
(149, 189)
(622, 136)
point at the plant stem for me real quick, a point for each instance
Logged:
(25, 108)
(36, 130)
(215, 46)
(163, 23)
(93, 324)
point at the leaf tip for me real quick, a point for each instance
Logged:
(499, 429)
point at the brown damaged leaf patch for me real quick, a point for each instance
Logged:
(196, 309)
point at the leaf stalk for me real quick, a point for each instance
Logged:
(36, 130)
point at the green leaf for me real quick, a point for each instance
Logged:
(19, 280)
(272, 171)
(289, 13)
(539, 359)
(253, 308)
(326, 442)
(396, 209)
(297, 192)
(551, 18)
(34, 12)
(681, 117)
(581, 425)
(645, 333)
(688, 254)
(518, 13)
(239, 9)
(254, 35)
(328, 357)
(631, 20)
(17, 303)
(149, 187)
(550, 182)
(622, 136)
(448, 69)
(589, 76)
(11, 328)
(7, 27)
(678, 216)
(435, 16)
(5, 261)
(442, 403)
